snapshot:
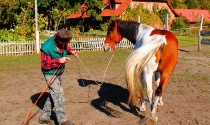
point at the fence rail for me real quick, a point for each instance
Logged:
(79, 44)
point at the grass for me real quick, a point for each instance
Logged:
(8, 63)
(11, 63)
(184, 41)
(187, 40)
(91, 59)
(98, 32)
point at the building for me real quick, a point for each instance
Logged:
(117, 7)
(193, 15)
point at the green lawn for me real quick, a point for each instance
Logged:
(183, 40)
(187, 40)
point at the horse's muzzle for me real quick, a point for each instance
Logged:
(106, 48)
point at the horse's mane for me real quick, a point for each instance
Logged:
(128, 29)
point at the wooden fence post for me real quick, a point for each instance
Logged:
(199, 34)
(166, 23)
(139, 19)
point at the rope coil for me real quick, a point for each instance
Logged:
(91, 74)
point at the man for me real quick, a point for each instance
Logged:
(53, 59)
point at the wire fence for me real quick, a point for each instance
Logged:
(79, 44)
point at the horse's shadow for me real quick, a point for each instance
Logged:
(41, 102)
(110, 93)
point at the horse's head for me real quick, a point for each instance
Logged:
(113, 36)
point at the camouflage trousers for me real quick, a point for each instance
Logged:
(57, 94)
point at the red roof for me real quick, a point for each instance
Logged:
(119, 1)
(121, 8)
(105, 12)
(78, 15)
(108, 1)
(193, 15)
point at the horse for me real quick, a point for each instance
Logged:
(155, 52)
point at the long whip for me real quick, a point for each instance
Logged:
(27, 118)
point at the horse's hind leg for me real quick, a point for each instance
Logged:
(143, 81)
(157, 78)
(157, 82)
(146, 78)
(164, 79)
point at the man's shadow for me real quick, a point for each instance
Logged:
(110, 93)
(41, 102)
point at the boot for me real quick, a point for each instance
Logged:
(48, 122)
(67, 123)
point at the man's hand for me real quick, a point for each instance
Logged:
(64, 59)
(74, 53)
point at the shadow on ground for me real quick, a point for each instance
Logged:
(41, 103)
(110, 93)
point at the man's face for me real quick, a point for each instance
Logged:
(63, 43)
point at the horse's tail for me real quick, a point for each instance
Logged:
(134, 65)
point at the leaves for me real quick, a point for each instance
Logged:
(146, 16)
(180, 22)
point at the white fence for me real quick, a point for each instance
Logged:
(79, 44)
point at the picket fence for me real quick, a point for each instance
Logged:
(79, 44)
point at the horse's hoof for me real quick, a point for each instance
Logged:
(160, 104)
(155, 118)
(147, 121)
(142, 108)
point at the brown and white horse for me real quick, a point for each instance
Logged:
(155, 51)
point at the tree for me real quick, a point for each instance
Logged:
(59, 12)
(178, 4)
(94, 9)
(192, 4)
(205, 4)
(147, 17)
(7, 16)
(162, 14)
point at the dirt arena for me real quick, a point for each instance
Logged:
(186, 98)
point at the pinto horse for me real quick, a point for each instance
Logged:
(155, 51)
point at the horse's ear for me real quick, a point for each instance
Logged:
(115, 24)
(110, 21)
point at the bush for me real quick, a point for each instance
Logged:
(10, 35)
(180, 22)
(104, 26)
(186, 32)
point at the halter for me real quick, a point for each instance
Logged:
(111, 39)
(118, 35)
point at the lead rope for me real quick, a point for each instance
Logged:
(89, 99)
(91, 74)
